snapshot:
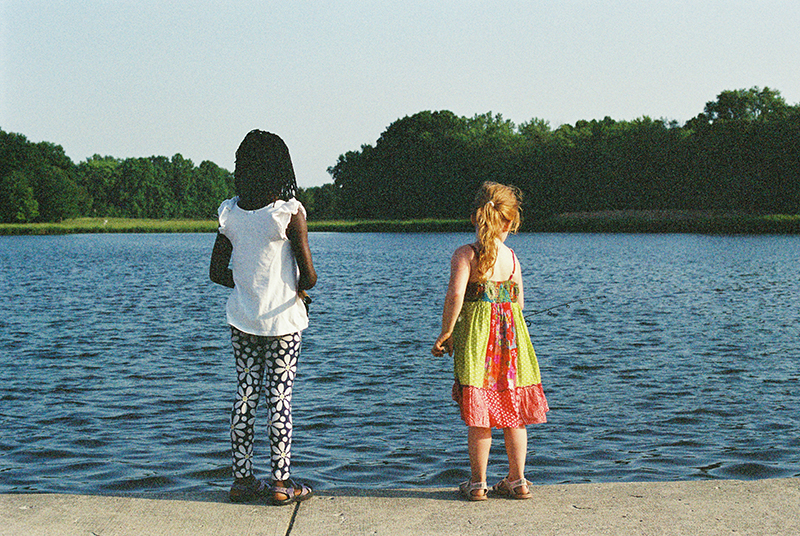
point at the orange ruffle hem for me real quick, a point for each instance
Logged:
(509, 408)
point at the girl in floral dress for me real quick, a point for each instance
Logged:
(262, 253)
(497, 380)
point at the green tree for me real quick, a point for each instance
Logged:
(15, 152)
(57, 195)
(212, 184)
(180, 175)
(415, 169)
(754, 104)
(747, 105)
(49, 173)
(98, 175)
(142, 190)
(17, 203)
(322, 202)
(536, 131)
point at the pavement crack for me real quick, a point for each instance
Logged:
(291, 521)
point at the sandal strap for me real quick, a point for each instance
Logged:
(256, 486)
(517, 483)
(508, 486)
(474, 491)
(291, 491)
(469, 485)
(248, 490)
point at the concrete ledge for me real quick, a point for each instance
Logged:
(697, 508)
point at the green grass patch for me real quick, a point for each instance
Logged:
(587, 222)
(783, 218)
(391, 226)
(109, 225)
(668, 221)
(128, 225)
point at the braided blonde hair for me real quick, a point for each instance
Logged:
(496, 208)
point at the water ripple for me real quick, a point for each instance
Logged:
(687, 369)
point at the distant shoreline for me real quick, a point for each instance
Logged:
(669, 221)
(622, 221)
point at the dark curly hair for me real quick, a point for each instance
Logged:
(264, 168)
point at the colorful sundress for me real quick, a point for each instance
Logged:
(497, 379)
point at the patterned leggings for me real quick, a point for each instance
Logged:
(277, 358)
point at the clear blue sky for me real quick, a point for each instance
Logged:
(140, 78)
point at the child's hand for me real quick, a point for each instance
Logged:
(306, 299)
(443, 344)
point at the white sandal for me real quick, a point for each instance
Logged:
(468, 488)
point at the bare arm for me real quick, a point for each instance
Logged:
(297, 232)
(219, 272)
(518, 280)
(460, 268)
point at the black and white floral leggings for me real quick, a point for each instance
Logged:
(273, 359)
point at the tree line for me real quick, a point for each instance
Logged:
(40, 183)
(740, 154)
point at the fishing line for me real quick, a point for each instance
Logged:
(566, 305)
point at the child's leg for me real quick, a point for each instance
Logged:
(479, 442)
(517, 449)
(282, 365)
(248, 351)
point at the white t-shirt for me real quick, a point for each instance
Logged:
(264, 300)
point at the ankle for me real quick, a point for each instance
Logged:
(284, 484)
(519, 484)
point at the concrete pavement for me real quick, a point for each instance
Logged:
(697, 508)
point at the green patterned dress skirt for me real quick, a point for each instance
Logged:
(497, 380)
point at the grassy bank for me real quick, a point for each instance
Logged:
(109, 225)
(668, 221)
(584, 222)
(392, 226)
(125, 225)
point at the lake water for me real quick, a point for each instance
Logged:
(117, 374)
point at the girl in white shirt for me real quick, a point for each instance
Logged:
(262, 253)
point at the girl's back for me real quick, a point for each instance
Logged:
(504, 267)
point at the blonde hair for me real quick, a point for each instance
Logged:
(496, 208)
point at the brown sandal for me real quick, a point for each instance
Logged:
(506, 488)
(469, 488)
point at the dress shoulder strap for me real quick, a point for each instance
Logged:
(514, 266)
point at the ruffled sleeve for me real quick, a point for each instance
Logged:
(284, 210)
(291, 207)
(223, 211)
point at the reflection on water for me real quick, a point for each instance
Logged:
(118, 374)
